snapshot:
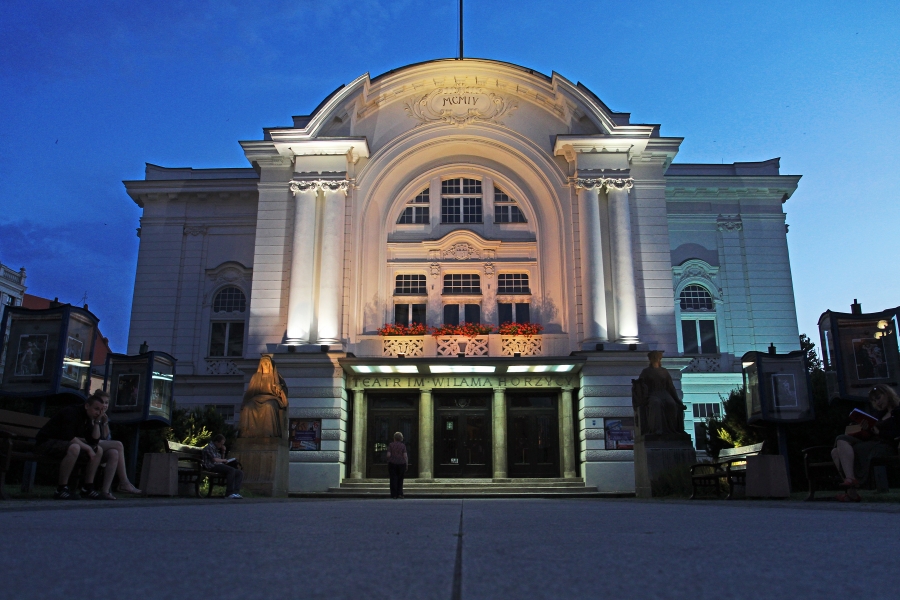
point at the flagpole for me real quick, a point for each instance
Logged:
(460, 29)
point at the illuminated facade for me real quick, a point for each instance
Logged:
(463, 191)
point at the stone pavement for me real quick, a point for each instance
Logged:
(412, 549)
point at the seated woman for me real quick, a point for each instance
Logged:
(853, 455)
(113, 455)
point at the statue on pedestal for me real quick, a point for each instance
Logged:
(264, 412)
(656, 401)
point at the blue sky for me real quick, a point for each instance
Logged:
(90, 91)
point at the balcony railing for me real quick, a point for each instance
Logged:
(460, 345)
(10, 275)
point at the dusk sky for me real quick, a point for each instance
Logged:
(91, 91)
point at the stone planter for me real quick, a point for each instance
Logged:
(454, 345)
(407, 345)
(523, 345)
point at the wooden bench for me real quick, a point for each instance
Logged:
(731, 466)
(190, 468)
(17, 442)
(820, 469)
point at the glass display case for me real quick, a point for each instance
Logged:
(859, 351)
(46, 352)
(776, 387)
(140, 387)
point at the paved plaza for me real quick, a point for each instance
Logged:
(447, 549)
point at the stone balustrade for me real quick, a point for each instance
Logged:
(454, 345)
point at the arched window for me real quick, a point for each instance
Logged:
(417, 210)
(230, 299)
(505, 209)
(698, 320)
(226, 337)
(695, 297)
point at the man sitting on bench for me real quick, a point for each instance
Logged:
(69, 433)
(214, 460)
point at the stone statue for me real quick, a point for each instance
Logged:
(656, 401)
(264, 412)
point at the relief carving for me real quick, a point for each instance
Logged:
(459, 105)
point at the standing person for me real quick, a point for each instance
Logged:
(110, 446)
(214, 460)
(852, 456)
(398, 464)
(72, 432)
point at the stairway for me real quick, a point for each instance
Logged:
(465, 488)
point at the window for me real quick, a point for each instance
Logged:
(705, 410)
(417, 209)
(461, 201)
(462, 283)
(410, 284)
(226, 339)
(505, 209)
(520, 312)
(699, 336)
(471, 313)
(696, 297)
(698, 332)
(409, 314)
(513, 283)
(230, 299)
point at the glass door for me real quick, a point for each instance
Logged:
(533, 445)
(462, 436)
(389, 414)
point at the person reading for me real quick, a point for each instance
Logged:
(214, 460)
(71, 433)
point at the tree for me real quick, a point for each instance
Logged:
(813, 362)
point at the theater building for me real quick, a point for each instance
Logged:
(463, 191)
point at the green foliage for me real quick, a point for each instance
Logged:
(813, 362)
(197, 427)
(731, 429)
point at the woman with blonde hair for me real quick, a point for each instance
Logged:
(853, 455)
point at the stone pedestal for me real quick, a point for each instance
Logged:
(654, 455)
(767, 477)
(265, 464)
(159, 475)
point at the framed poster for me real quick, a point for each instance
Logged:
(870, 358)
(31, 355)
(784, 391)
(73, 354)
(305, 435)
(127, 389)
(619, 434)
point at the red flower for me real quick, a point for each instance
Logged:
(394, 329)
(526, 329)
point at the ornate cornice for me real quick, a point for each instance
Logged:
(314, 185)
(194, 230)
(609, 183)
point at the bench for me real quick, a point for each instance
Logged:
(731, 466)
(17, 442)
(190, 468)
(820, 469)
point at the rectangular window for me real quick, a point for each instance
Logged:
(410, 284)
(473, 313)
(226, 339)
(461, 210)
(699, 336)
(409, 314)
(705, 410)
(520, 312)
(451, 314)
(450, 210)
(462, 283)
(508, 214)
(513, 283)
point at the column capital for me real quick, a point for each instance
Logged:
(314, 185)
(425, 390)
(568, 388)
(607, 183)
(500, 389)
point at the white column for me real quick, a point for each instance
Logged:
(499, 437)
(567, 439)
(331, 276)
(300, 303)
(623, 261)
(358, 443)
(593, 295)
(426, 434)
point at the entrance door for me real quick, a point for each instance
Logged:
(389, 414)
(462, 435)
(533, 444)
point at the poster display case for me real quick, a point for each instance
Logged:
(46, 352)
(859, 351)
(776, 387)
(140, 387)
